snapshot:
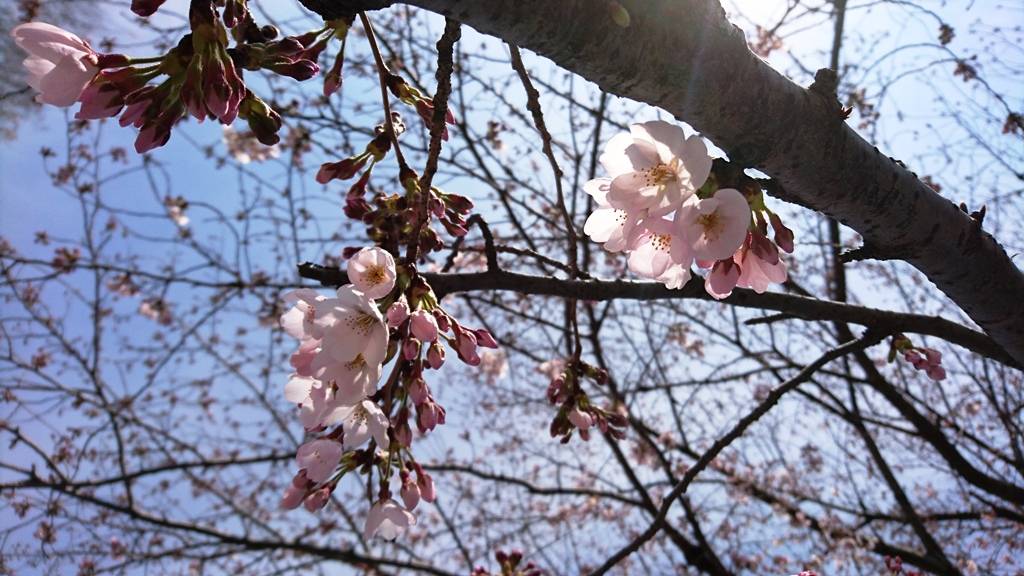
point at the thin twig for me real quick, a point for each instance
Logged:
(869, 339)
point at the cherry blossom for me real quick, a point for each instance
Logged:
(319, 458)
(318, 499)
(352, 380)
(302, 359)
(60, 64)
(654, 168)
(372, 272)
(352, 325)
(757, 274)
(607, 225)
(714, 227)
(361, 422)
(292, 497)
(298, 321)
(657, 249)
(310, 395)
(928, 360)
(387, 519)
(723, 278)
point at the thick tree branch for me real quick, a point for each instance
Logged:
(685, 57)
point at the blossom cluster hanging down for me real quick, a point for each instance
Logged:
(344, 342)
(387, 315)
(661, 204)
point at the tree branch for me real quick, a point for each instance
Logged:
(711, 80)
(796, 306)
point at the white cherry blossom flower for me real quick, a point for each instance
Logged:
(714, 227)
(654, 168)
(298, 321)
(352, 381)
(60, 64)
(388, 520)
(657, 249)
(319, 458)
(361, 421)
(610, 226)
(352, 325)
(372, 272)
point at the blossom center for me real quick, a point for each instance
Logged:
(361, 323)
(660, 174)
(661, 242)
(375, 274)
(712, 225)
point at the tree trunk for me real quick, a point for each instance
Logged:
(685, 57)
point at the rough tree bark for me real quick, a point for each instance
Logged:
(685, 57)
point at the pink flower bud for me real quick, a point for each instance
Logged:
(333, 78)
(915, 358)
(435, 355)
(292, 497)
(435, 206)
(99, 100)
(426, 484)
(423, 325)
(722, 279)
(418, 391)
(453, 228)
(459, 204)
(403, 434)
(763, 248)
(443, 323)
(428, 415)
(342, 170)
(466, 342)
(410, 492)
(783, 235)
(936, 373)
(397, 313)
(484, 339)
(317, 499)
(580, 419)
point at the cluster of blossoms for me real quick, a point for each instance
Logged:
(661, 204)
(509, 564)
(575, 409)
(202, 74)
(927, 360)
(386, 314)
